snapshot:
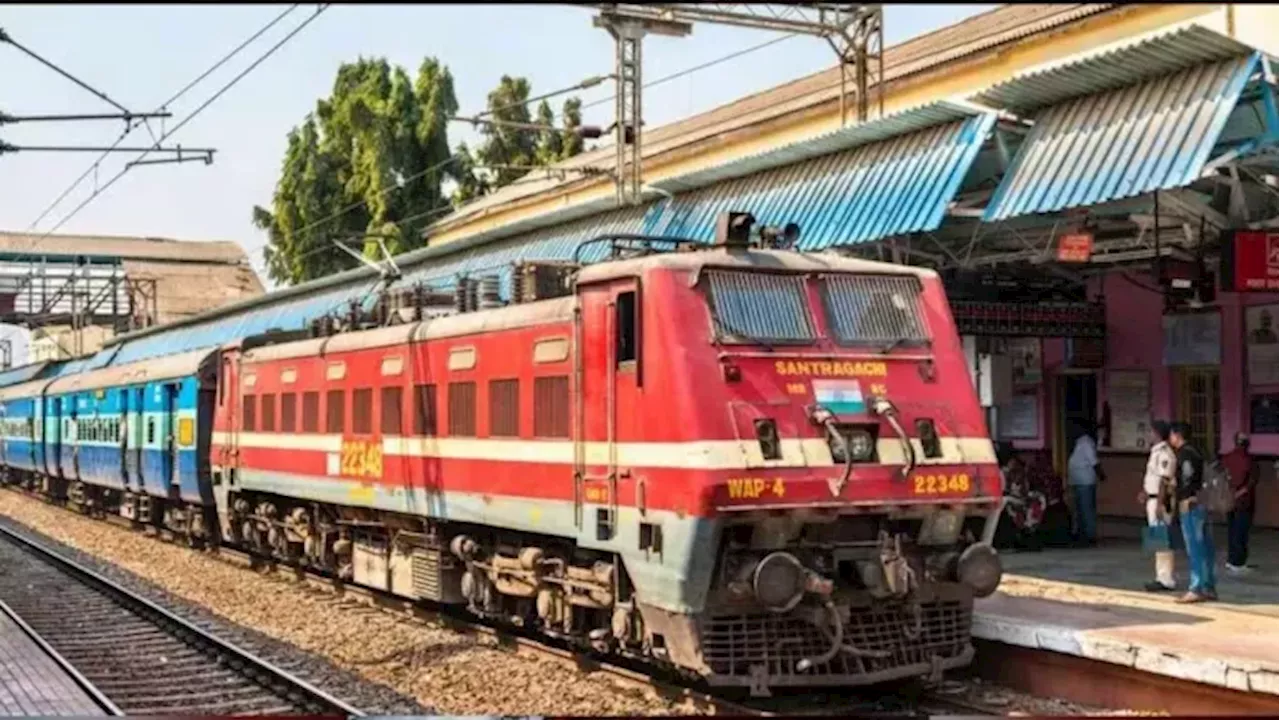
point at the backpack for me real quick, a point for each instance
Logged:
(1215, 493)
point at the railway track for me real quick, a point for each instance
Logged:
(908, 700)
(139, 656)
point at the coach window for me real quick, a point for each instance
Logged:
(269, 412)
(311, 412)
(462, 409)
(392, 411)
(334, 411)
(250, 404)
(362, 411)
(626, 327)
(424, 410)
(504, 408)
(288, 412)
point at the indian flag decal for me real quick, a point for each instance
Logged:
(842, 397)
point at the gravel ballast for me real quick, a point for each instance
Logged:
(370, 658)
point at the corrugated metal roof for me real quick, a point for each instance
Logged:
(1121, 143)
(1112, 67)
(895, 186)
(22, 374)
(845, 138)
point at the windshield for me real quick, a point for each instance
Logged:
(879, 310)
(760, 307)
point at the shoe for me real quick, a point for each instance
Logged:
(1209, 594)
(1238, 569)
(1190, 597)
(1156, 586)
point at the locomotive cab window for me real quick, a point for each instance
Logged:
(759, 308)
(877, 310)
(626, 328)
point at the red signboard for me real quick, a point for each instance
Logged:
(1251, 261)
(1075, 247)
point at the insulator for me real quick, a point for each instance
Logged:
(490, 292)
(517, 285)
(473, 294)
(460, 295)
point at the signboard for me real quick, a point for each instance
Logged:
(1251, 261)
(1129, 397)
(1264, 414)
(1019, 418)
(1075, 247)
(1025, 359)
(1193, 339)
(1262, 345)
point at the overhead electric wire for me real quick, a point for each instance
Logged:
(235, 80)
(6, 37)
(133, 125)
(695, 68)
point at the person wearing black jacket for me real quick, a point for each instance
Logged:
(1196, 532)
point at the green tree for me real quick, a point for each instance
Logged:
(550, 142)
(571, 142)
(370, 160)
(506, 148)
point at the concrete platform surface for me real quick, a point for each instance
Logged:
(32, 684)
(1089, 603)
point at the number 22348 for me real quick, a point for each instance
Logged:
(941, 484)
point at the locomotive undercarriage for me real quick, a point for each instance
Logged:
(533, 581)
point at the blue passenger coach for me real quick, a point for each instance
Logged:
(141, 430)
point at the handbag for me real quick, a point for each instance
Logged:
(1155, 538)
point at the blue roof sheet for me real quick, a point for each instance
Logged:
(891, 187)
(1153, 135)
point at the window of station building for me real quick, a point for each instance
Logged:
(362, 411)
(311, 411)
(269, 412)
(249, 412)
(504, 408)
(392, 410)
(424, 410)
(462, 409)
(288, 412)
(335, 411)
(551, 407)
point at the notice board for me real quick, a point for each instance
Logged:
(1129, 396)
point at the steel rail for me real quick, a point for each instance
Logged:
(158, 615)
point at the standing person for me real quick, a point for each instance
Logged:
(1157, 486)
(1083, 474)
(1196, 532)
(1244, 483)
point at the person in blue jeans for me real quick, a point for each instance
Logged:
(1083, 474)
(1197, 533)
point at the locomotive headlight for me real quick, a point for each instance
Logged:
(779, 581)
(861, 445)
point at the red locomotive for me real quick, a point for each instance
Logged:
(762, 467)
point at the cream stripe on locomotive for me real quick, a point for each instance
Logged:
(697, 455)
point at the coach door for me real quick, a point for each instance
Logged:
(168, 437)
(54, 425)
(609, 374)
(128, 462)
(137, 430)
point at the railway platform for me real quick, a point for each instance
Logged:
(32, 683)
(1089, 604)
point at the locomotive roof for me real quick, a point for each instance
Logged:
(541, 312)
(746, 259)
